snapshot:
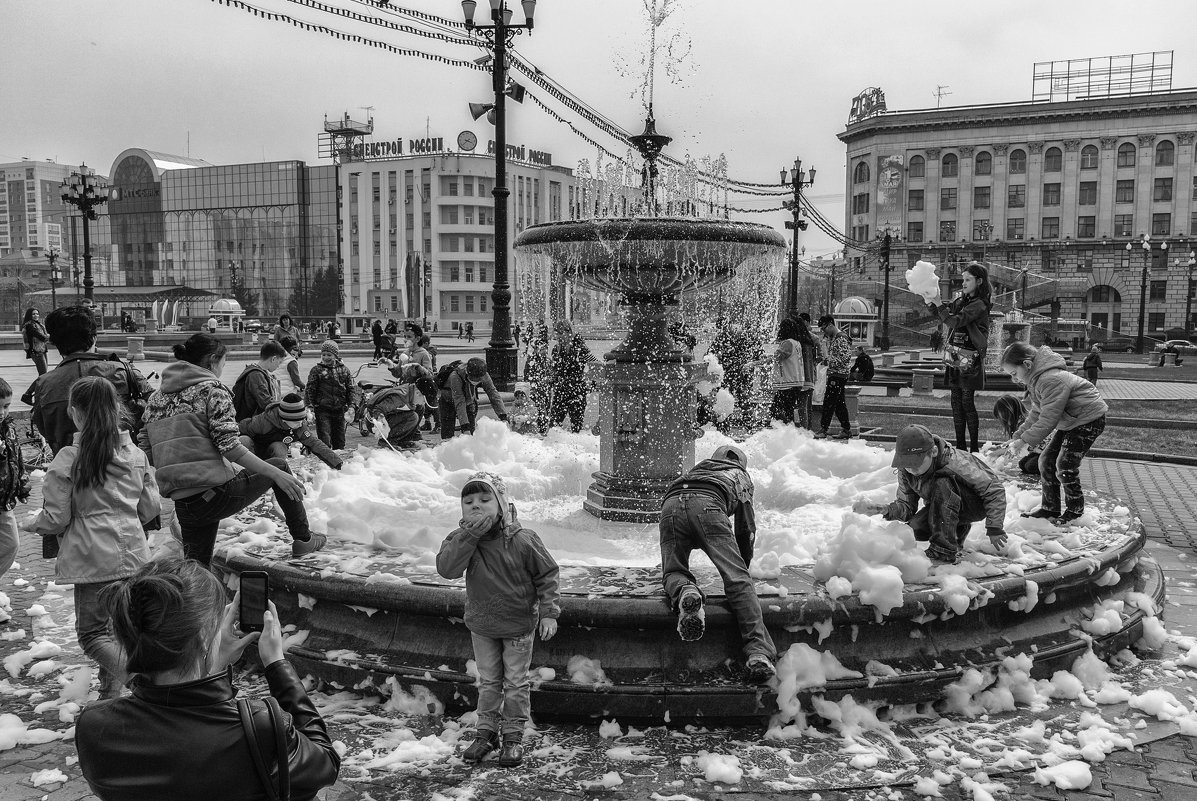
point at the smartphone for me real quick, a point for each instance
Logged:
(255, 592)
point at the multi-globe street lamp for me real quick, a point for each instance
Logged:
(796, 178)
(1189, 294)
(501, 355)
(1146, 245)
(887, 239)
(82, 191)
(55, 275)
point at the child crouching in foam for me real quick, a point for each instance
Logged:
(957, 489)
(284, 423)
(511, 584)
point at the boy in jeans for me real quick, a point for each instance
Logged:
(957, 488)
(329, 392)
(511, 593)
(14, 482)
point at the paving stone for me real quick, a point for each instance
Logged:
(1176, 792)
(1131, 794)
(1129, 777)
(1176, 749)
(1168, 770)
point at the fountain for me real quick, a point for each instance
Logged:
(647, 383)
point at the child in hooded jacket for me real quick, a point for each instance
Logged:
(284, 423)
(1069, 405)
(511, 593)
(98, 495)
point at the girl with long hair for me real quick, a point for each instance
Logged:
(967, 317)
(788, 375)
(35, 338)
(98, 495)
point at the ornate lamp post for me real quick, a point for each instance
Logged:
(501, 355)
(1146, 245)
(796, 178)
(887, 241)
(54, 276)
(1189, 293)
(83, 192)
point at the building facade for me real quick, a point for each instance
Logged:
(1052, 190)
(32, 214)
(422, 227)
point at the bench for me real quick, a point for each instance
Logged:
(892, 385)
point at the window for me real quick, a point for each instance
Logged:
(1165, 154)
(468, 269)
(950, 166)
(467, 185)
(1053, 160)
(448, 215)
(981, 197)
(1159, 259)
(1086, 227)
(1084, 259)
(1089, 157)
(914, 230)
(1014, 228)
(469, 303)
(1155, 321)
(860, 203)
(947, 231)
(1050, 228)
(1088, 194)
(1193, 223)
(377, 303)
(914, 200)
(482, 303)
(1161, 224)
(918, 167)
(947, 197)
(454, 271)
(1016, 196)
(983, 163)
(1104, 294)
(1162, 191)
(1051, 194)
(982, 229)
(861, 174)
(482, 274)
(1159, 291)
(1018, 161)
(1124, 192)
(1195, 188)
(1126, 155)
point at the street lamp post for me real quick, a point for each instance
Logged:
(797, 179)
(52, 255)
(1189, 293)
(501, 355)
(1146, 245)
(83, 192)
(887, 241)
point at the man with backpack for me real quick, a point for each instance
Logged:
(72, 330)
(458, 401)
(256, 388)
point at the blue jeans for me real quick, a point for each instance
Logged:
(944, 522)
(91, 627)
(200, 515)
(504, 690)
(695, 520)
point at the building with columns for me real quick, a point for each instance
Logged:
(1049, 193)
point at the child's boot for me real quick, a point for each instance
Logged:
(484, 743)
(513, 750)
(691, 616)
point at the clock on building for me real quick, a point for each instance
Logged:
(466, 140)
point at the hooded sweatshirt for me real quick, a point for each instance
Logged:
(968, 469)
(1060, 400)
(190, 431)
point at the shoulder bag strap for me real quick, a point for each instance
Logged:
(255, 752)
(282, 753)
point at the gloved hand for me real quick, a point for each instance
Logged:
(998, 537)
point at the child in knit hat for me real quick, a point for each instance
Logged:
(511, 593)
(329, 392)
(284, 423)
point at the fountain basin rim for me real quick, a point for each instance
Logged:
(649, 229)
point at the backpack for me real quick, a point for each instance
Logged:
(54, 389)
(442, 375)
(241, 399)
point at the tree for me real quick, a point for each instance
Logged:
(243, 295)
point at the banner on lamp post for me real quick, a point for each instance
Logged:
(890, 172)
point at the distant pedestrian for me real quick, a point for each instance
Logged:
(98, 496)
(515, 332)
(460, 330)
(1092, 364)
(862, 369)
(376, 334)
(212, 323)
(34, 336)
(937, 340)
(469, 332)
(839, 365)
(810, 360)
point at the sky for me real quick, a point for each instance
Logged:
(762, 81)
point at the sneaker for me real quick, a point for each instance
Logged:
(513, 751)
(427, 426)
(843, 435)
(760, 668)
(312, 544)
(691, 616)
(1066, 518)
(484, 743)
(1041, 513)
(939, 558)
(821, 434)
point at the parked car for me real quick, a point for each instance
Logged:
(1118, 345)
(1180, 345)
(252, 326)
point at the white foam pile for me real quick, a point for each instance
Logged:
(922, 280)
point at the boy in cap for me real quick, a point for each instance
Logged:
(511, 593)
(956, 487)
(282, 424)
(695, 514)
(330, 391)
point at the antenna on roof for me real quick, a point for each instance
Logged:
(939, 92)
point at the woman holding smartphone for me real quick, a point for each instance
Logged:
(181, 734)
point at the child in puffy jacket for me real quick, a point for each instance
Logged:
(330, 391)
(283, 424)
(14, 482)
(1069, 406)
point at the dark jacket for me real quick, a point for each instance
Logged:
(863, 367)
(254, 390)
(269, 427)
(14, 483)
(376, 333)
(185, 742)
(330, 389)
(35, 337)
(511, 579)
(730, 485)
(1092, 363)
(49, 393)
(968, 319)
(967, 469)
(460, 393)
(569, 364)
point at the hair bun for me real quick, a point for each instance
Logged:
(180, 350)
